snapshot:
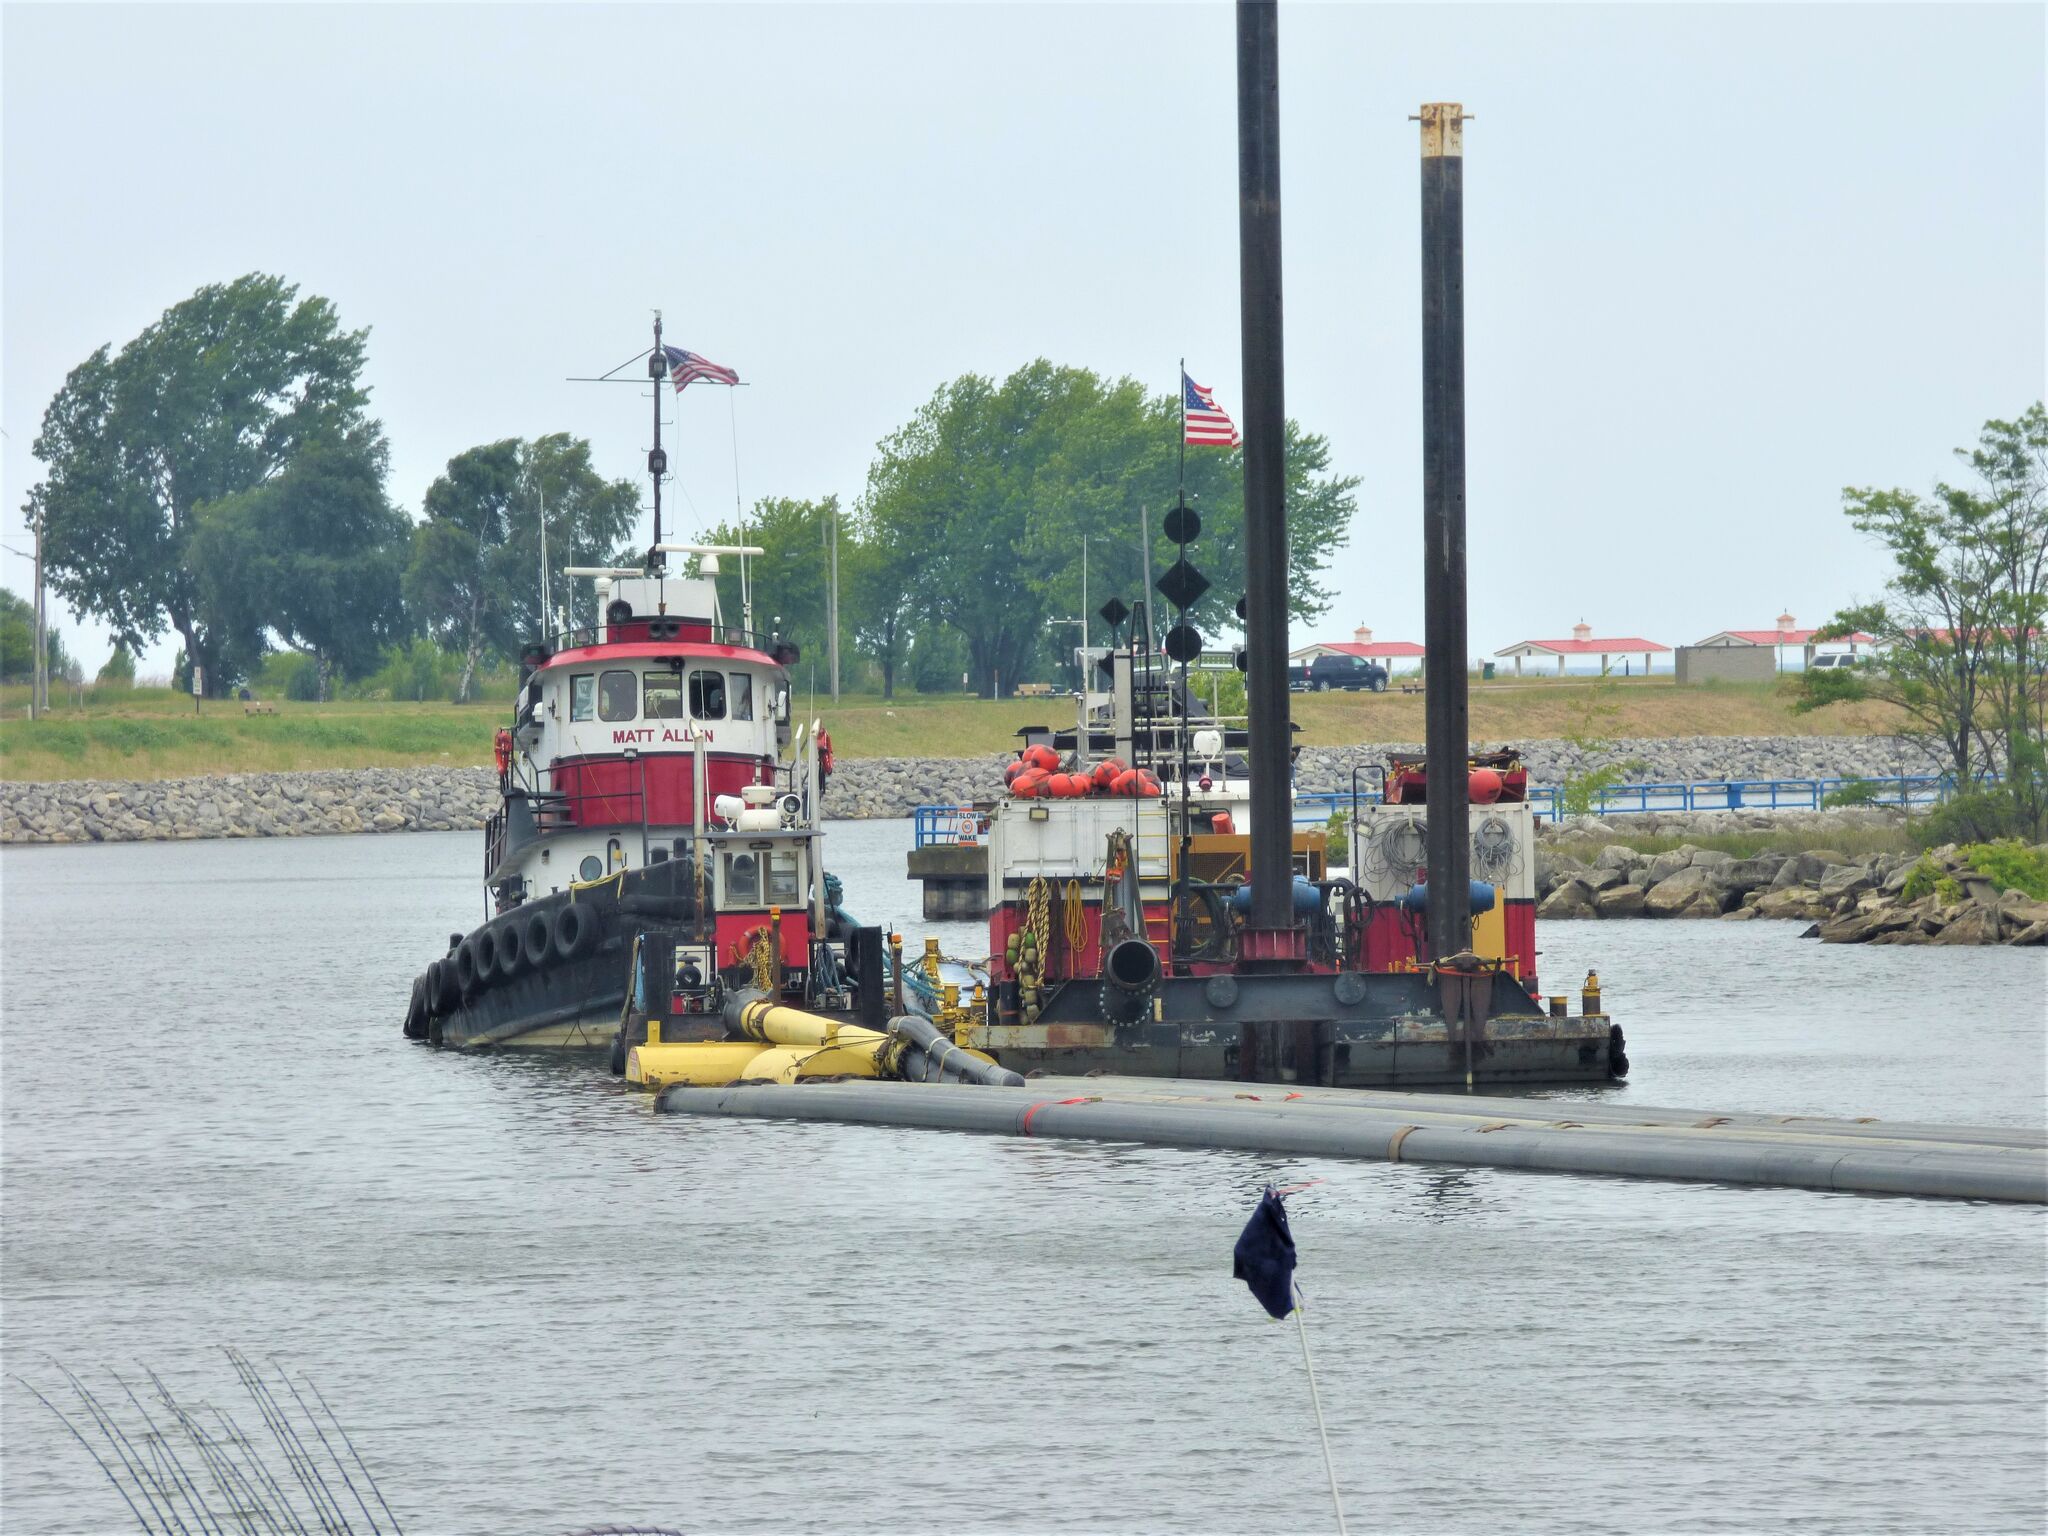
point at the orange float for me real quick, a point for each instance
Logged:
(1042, 756)
(1484, 785)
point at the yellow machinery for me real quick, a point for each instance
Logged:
(782, 1045)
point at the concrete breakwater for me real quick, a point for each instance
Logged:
(444, 798)
(1878, 898)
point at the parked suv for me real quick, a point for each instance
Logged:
(1352, 672)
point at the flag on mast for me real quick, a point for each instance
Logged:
(1202, 420)
(687, 367)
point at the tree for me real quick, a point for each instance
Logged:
(1959, 626)
(986, 494)
(119, 670)
(473, 581)
(214, 399)
(788, 580)
(314, 556)
(18, 641)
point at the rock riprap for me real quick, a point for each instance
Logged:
(1843, 900)
(441, 798)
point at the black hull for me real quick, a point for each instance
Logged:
(560, 1000)
(1381, 1030)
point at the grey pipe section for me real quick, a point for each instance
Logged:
(1814, 1155)
(930, 1057)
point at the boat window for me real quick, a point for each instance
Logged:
(742, 878)
(617, 696)
(663, 695)
(742, 696)
(583, 696)
(707, 695)
(783, 887)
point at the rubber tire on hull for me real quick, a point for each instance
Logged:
(511, 936)
(538, 936)
(486, 942)
(575, 933)
(617, 1060)
(466, 975)
(416, 1010)
(444, 992)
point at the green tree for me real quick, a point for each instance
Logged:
(1959, 625)
(18, 641)
(214, 399)
(119, 670)
(986, 494)
(314, 556)
(788, 579)
(473, 580)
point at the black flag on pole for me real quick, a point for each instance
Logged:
(1264, 1257)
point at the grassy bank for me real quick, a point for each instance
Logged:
(153, 733)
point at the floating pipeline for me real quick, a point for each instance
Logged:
(1795, 1152)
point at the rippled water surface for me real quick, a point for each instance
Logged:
(538, 1307)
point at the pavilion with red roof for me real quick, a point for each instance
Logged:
(1786, 634)
(1360, 644)
(1583, 642)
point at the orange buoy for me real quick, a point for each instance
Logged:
(1042, 756)
(1125, 783)
(1222, 823)
(1030, 784)
(1484, 785)
(1106, 772)
(1013, 769)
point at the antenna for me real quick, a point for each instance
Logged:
(657, 461)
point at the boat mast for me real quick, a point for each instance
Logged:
(657, 461)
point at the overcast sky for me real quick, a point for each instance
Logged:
(1720, 260)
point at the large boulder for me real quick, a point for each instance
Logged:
(1620, 856)
(1571, 899)
(1709, 858)
(1689, 893)
(1750, 874)
(1839, 880)
(1969, 924)
(1601, 878)
(1623, 899)
(1665, 865)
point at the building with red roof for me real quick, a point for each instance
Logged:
(1787, 634)
(1360, 644)
(1583, 642)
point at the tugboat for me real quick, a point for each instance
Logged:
(657, 835)
(1119, 904)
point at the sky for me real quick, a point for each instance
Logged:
(1720, 261)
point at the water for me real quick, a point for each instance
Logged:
(538, 1307)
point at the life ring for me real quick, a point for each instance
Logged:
(501, 750)
(540, 938)
(575, 933)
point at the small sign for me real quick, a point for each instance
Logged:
(198, 682)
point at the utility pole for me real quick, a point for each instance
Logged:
(832, 595)
(39, 689)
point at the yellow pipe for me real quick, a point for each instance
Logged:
(702, 1064)
(714, 1063)
(779, 1025)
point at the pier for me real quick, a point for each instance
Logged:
(1554, 1135)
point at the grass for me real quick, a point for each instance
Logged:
(152, 733)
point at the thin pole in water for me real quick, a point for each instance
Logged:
(1316, 1398)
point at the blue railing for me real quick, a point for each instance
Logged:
(948, 824)
(1696, 795)
(961, 824)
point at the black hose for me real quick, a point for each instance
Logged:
(929, 1057)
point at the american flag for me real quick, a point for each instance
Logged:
(1205, 420)
(685, 367)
